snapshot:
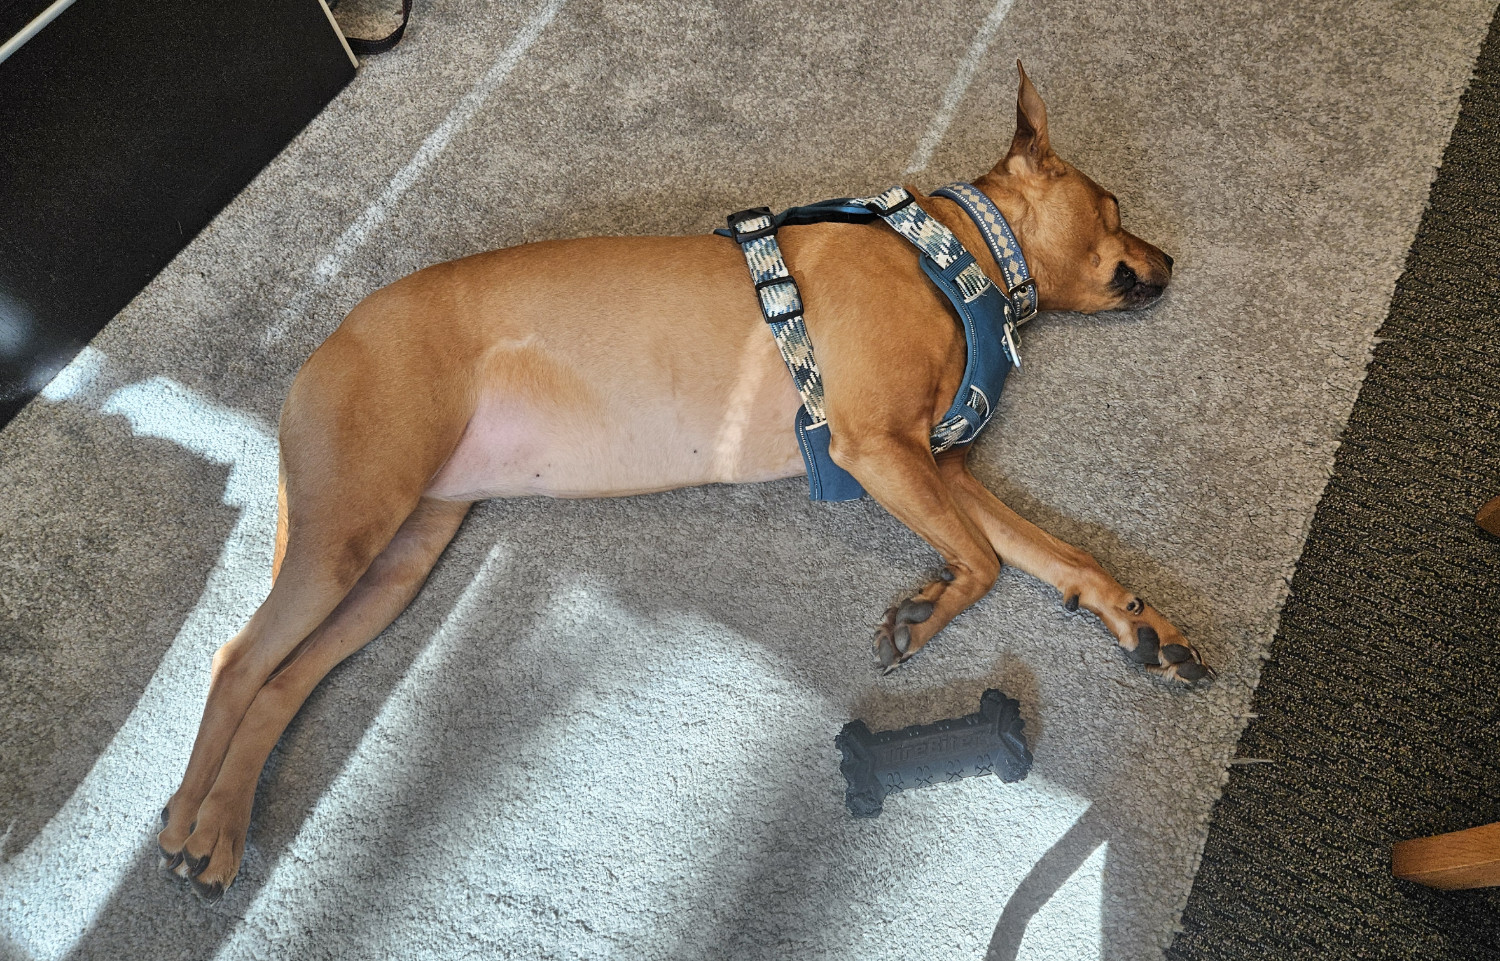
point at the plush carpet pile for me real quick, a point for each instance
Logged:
(605, 728)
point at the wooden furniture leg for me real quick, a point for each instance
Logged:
(1489, 517)
(1462, 859)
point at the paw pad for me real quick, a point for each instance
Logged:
(210, 893)
(913, 612)
(1192, 671)
(194, 865)
(169, 861)
(1146, 645)
(1176, 653)
(893, 637)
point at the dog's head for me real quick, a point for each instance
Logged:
(1069, 226)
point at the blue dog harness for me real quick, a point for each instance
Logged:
(989, 316)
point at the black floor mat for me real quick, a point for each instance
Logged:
(1378, 707)
(125, 129)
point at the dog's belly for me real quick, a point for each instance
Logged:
(627, 437)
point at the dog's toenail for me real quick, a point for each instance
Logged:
(1071, 604)
(1175, 654)
(1135, 605)
(914, 612)
(166, 815)
(902, 638)
(1192, 671)
(1146, 643)
(195, 866)
(209, 892)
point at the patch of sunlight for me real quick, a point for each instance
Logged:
(1069, 926)
(75, 378)
(54, 889)
(555, 762)
(319, 847)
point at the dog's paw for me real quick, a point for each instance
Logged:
(894, 638)
(173, 834)
(209, 857)
(1149, 640)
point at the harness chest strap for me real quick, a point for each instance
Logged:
(987, 316)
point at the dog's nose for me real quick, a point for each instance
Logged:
(1134, 291)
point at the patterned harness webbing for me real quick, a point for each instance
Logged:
(988, 316)
(781, 305)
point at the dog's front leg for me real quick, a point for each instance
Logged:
(900, 474)
(1147, 637)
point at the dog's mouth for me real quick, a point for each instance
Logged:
(1141, 296)
(1135, 293)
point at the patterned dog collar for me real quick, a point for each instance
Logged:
(1019, 284)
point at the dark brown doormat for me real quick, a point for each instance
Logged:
(1378, 707)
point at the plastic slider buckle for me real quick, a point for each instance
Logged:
(778, 282)
(773, 282)
(750, 214)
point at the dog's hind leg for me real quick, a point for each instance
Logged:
(900, 473)
(211, 855)
(1146, 636)
(358, 446)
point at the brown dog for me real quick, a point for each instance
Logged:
(611, 366)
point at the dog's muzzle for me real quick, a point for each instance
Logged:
(1136, 293)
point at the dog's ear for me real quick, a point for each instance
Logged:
(1030, 148)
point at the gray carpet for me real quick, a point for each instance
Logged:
(604, 729)
(1394, 599)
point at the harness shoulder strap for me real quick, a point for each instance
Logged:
(780, 302)
(898, 208)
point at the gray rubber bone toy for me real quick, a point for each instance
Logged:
(990, 741)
